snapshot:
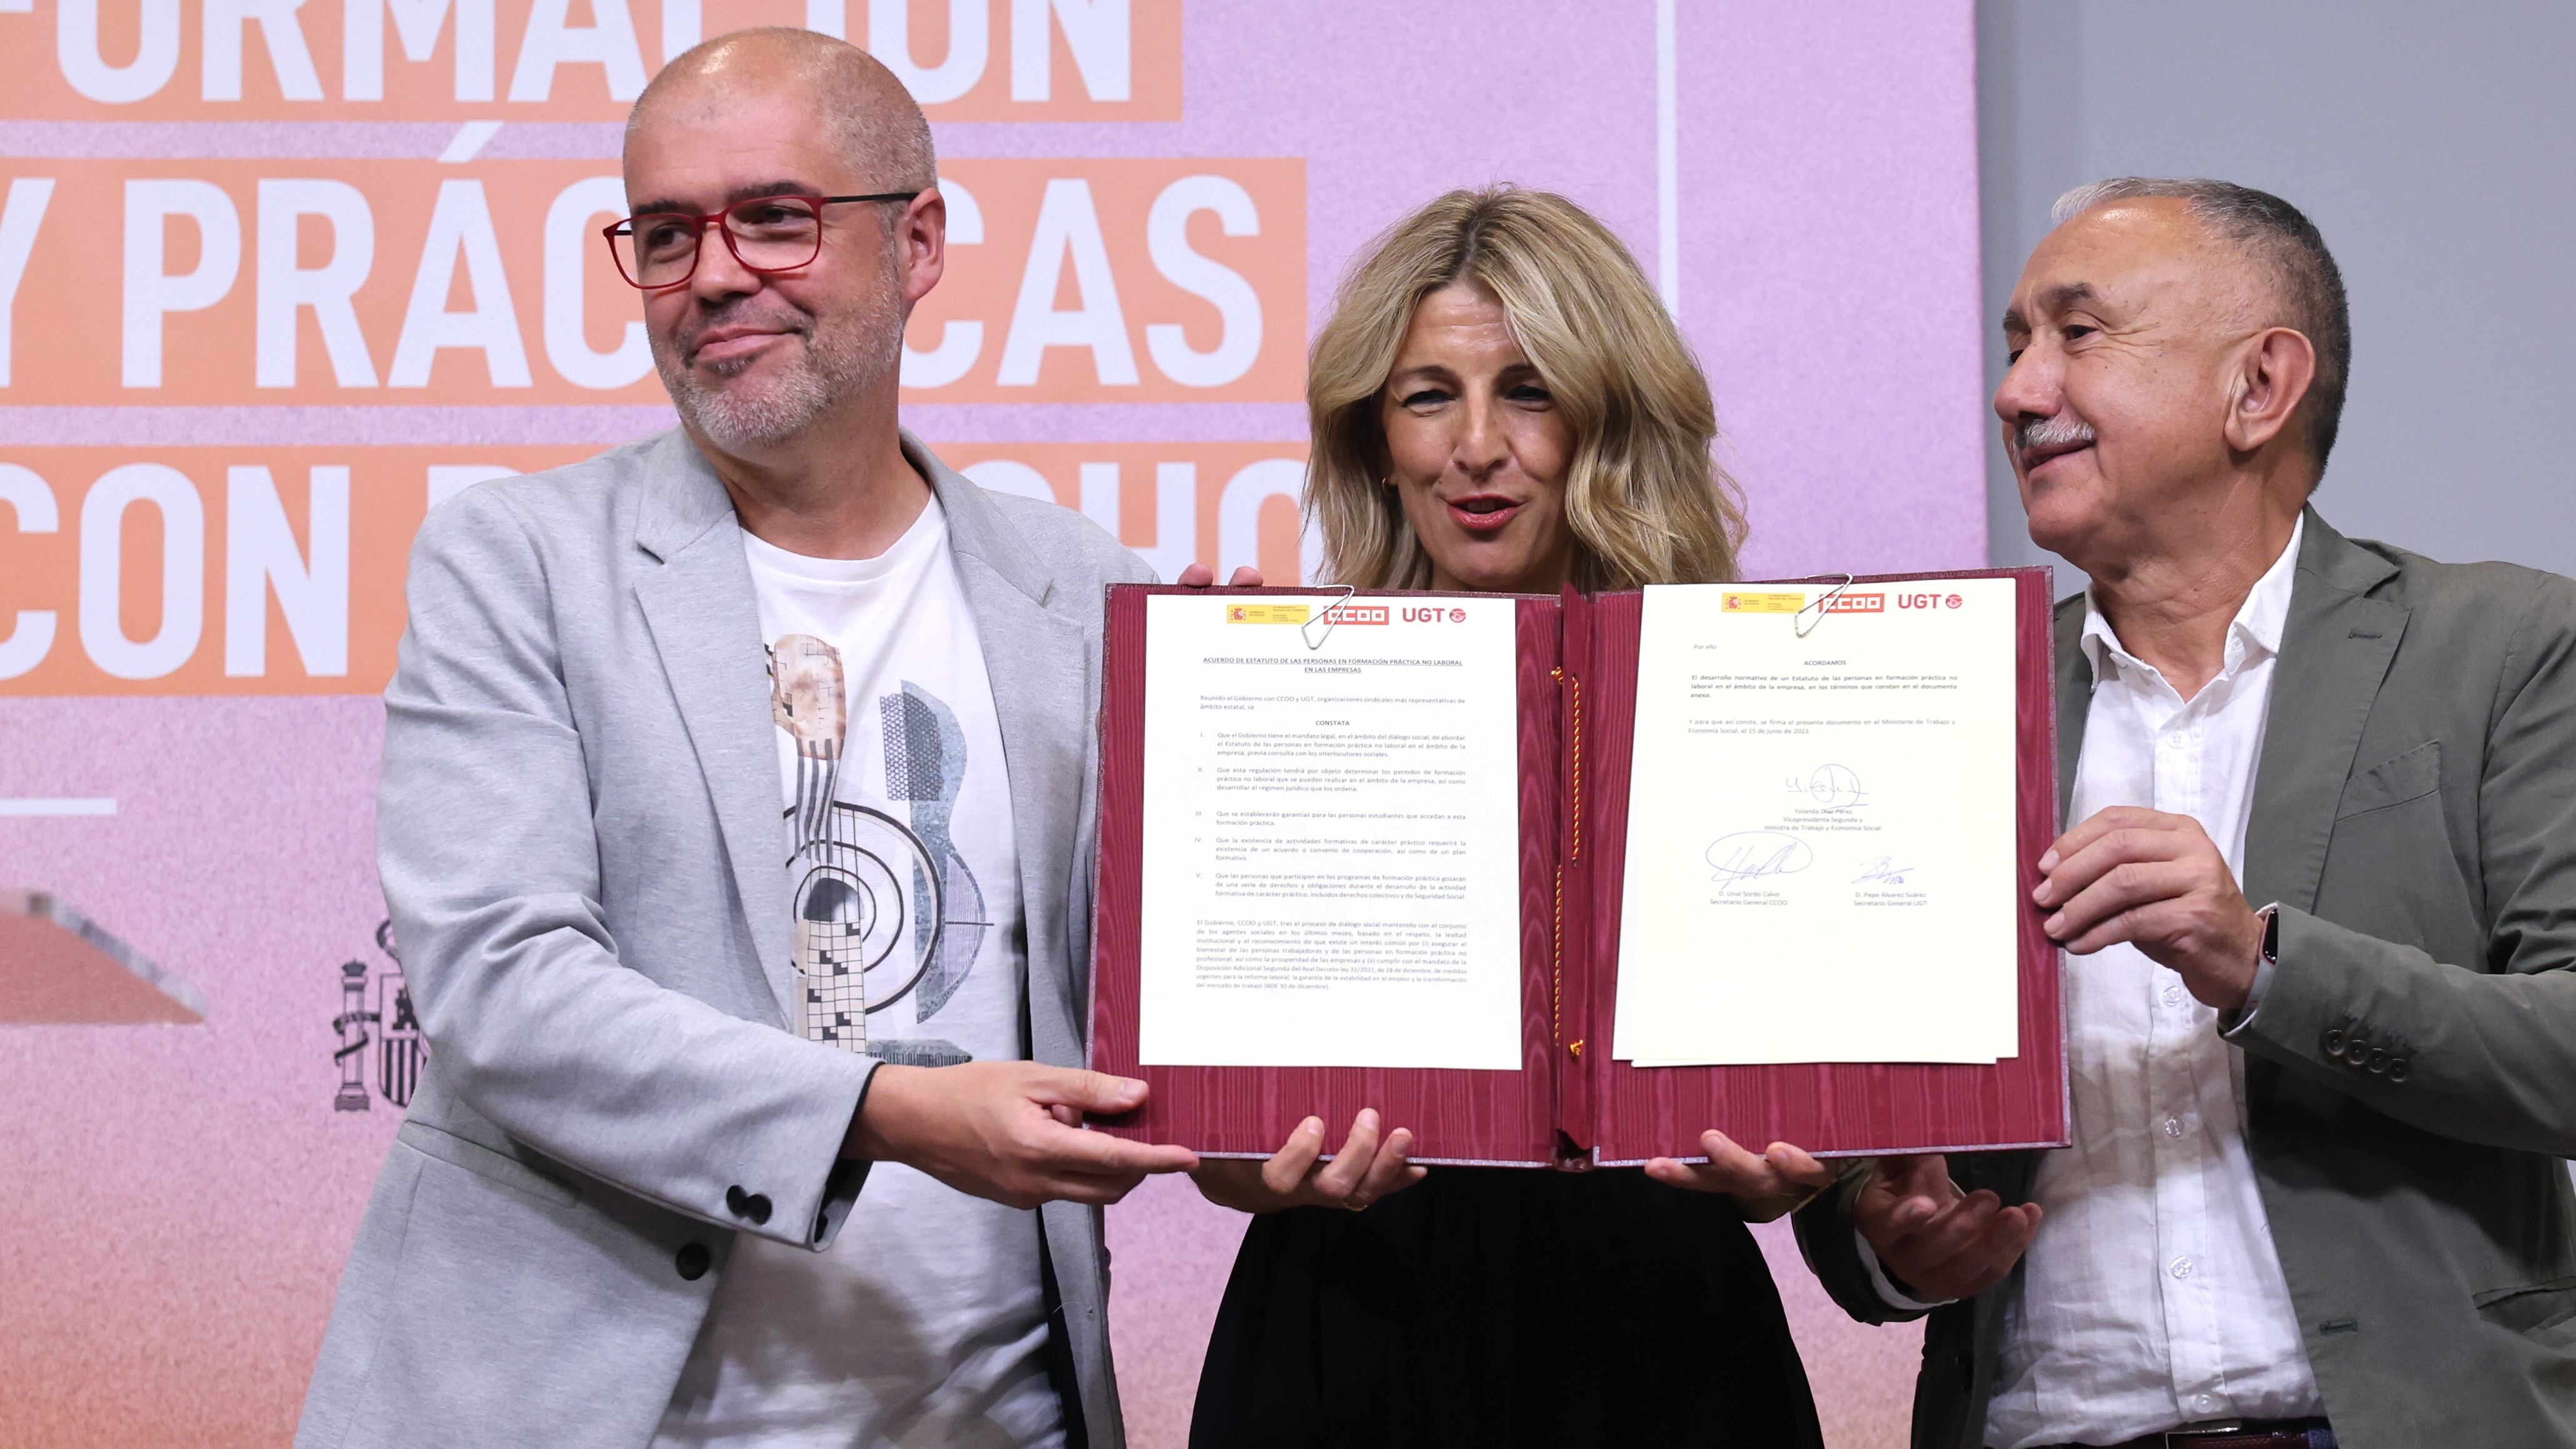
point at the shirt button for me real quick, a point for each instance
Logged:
(2182, 1267)
(2173, 996)
(2173, 1126)
(2173, 742)
(2205, 1404)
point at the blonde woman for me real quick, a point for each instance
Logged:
(1500, 403)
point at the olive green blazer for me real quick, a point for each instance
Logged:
(2410, 1074)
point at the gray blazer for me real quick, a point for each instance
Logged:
(580, 833)
(2410, 1077)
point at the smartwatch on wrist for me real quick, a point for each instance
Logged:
(2266, 956)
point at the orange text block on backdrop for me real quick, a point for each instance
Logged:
(211, 570)
(510, 60)
(279, 570)
(387, 282)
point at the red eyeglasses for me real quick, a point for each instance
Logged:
(658, 250)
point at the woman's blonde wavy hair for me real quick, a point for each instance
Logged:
(1645, 498)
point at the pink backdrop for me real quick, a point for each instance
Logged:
(177, 1199)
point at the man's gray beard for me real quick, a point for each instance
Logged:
(840, 356)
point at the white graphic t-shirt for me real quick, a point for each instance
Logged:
(925, 1323)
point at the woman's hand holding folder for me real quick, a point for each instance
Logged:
(1366, 1169)
(1779, 1181)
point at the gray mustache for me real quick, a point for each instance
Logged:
(2063, 431)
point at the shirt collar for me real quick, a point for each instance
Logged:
(2257, 625)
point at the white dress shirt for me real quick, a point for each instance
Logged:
(2153, 1296)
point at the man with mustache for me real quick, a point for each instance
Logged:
(2319, 902)
(735, 823)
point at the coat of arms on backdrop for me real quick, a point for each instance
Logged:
(380, 1046)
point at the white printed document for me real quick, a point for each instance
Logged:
(1331, 864)
(1821, 855)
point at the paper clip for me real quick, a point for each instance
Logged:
(1305, 631)
(1823, 602)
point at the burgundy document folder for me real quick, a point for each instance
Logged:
(1569, 1105)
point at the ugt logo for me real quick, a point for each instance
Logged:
(381, 1000)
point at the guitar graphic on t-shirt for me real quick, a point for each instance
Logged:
(884, 909)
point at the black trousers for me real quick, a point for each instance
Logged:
(1503, 1306)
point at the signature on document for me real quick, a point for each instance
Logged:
(1882, 871)
(1831, 787)
(1753, 854)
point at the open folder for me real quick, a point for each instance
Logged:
(1567, 881)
